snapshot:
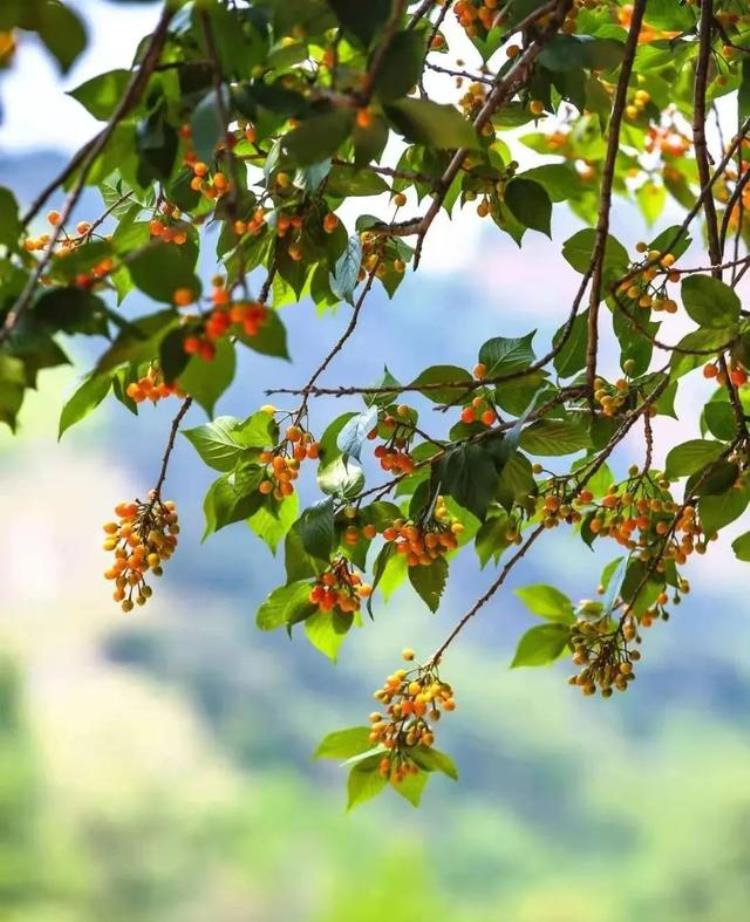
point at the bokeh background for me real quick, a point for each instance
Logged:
(157, 768)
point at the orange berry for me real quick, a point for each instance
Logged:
(54, 218)
(468, 415)
(200, 169)
(183, 297)
(330, 222)
(364, 118)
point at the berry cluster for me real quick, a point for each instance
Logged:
(380, 254)
(637, 104)
(340, 589)
(253, 226)
(600, 648)
(642, 505)
(142, 538)
(414, 700)
(478, 16)
(422, 544)
(393, 454)
(152, 386)
(640, 288)
(737, 374)
(283, 462)
(611, 397)
(168, 227)
(67, 245)
(226, 317)
(213, 186)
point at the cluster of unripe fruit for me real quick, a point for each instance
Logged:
(375, 257)
(611, 397)
(142, 538)
(601, 650)
(424, 543)
(639, 287)
(283, 462)
(665, 530)
(340, 589)
(68, 244)
(152, 386)
(226, 317)
(413, 700)
(637, 103)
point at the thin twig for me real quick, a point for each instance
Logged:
(605, 197)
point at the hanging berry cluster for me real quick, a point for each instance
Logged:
(142, 539)
(413, 700)
(282, 464)
(340, 588)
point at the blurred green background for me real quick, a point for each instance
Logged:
(157, 768)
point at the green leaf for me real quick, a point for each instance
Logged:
(529, 203)
(101, 95)
(553, 437)
(443, 375)
(162, 268)
(10, 223)
(691, 456)
(401, 66)
(365, 781)
(72, 310)
(326, 631)
(468, 474)
(429, 582)
(88, 396)
(541, 645)
(62, 31)
(343, 279)
(232, 498)
(491, 539)
(316, 529)
(411, 787)
(270, 339)
(579, 249)
(741, 547)
(432, 760)
(547, 602)
(343, 744)
(207, 381)
(710, 302)
(298, 563)
(362, 20)
(283, 606)
(432, 124)
(572, 356)
(341, 478)
(225, 441)
(353, 434)
(502, 355)
(318, 137)
(571, 52)
(272, 524)
(716, 511)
